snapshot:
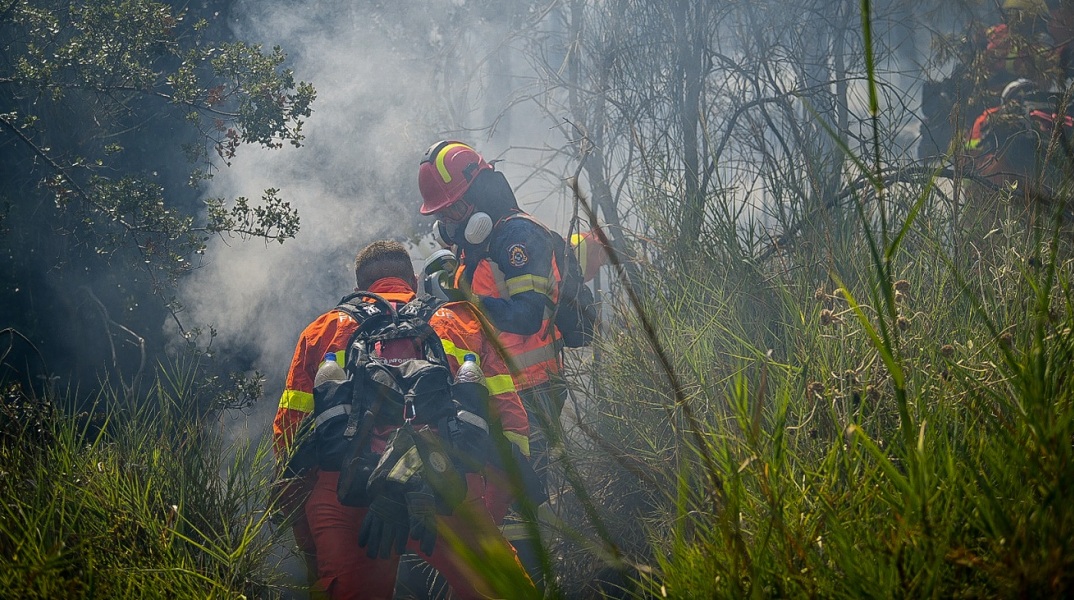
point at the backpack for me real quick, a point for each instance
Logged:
(577, 311)
(394, 362)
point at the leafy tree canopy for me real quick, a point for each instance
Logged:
(111, 113)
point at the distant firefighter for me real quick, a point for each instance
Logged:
(1023, 142)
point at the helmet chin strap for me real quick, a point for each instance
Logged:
(478, 228)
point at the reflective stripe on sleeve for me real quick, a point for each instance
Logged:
(536, 356)
(296, 400)
(500, 384)
(528, 283)
(459, 353)
(520, 441)
(496, 384)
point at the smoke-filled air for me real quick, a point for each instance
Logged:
(536, 299)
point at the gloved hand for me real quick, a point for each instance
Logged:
(421, 506)
(384, 529)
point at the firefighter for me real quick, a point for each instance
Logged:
(1031, 43)
(1009, 141)
(507, 267)
(328, 531)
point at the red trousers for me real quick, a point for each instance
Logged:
(344, 570)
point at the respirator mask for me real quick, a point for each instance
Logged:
(474, 232)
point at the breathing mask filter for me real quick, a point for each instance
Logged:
(478, 228)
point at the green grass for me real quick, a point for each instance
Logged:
(888, 406)
(129, 502)
(907, 436)
(882, 408)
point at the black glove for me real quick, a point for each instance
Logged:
(384, 529)
(421, 505)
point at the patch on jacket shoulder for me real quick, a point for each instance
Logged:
(516, 255)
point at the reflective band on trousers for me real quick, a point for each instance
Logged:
(519, 440)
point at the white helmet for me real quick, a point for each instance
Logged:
(1017, 89)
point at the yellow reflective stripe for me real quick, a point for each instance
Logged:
(496, 384)
(500, 384)
(528, 283)
(520, 441)
(459, 353)
(440, 166)
(407, 465)
(296, 400)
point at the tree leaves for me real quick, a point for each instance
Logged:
(119, 70)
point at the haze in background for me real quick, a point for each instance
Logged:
(353, 181)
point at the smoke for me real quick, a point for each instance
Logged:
(391, 79)
(379, 105)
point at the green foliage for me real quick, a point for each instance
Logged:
(932, 459)
(130, 501)
(84, 82)
(888, 406)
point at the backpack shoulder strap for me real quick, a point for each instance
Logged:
(422, 307)
(364, 305)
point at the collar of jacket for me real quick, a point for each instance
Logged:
(393, 289)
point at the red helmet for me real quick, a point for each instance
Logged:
(446, 173)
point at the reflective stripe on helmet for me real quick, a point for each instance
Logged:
(439, 159)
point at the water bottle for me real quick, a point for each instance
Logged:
(329, 370)
(470, 388)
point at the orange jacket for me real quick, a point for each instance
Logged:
(1008, 56)
(460, 331)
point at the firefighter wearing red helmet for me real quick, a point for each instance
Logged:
(507, 264)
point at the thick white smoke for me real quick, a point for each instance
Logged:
(378, 73)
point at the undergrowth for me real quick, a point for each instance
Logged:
(129, 498)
